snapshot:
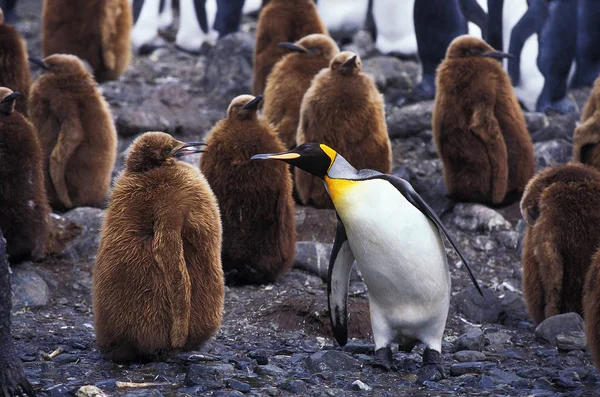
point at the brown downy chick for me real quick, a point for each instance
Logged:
(158, 283)
(289, 80)
(95, 30)
(255, 198)
(561, 206)
(24, 211)
(76, 132)
(281, 21)
(586, 139)
(14, 68)
(478, 126)
(343, 109)
(591, 309)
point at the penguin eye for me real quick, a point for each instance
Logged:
(167, 150)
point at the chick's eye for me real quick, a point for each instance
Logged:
(167, 150)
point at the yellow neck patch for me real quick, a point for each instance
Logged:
(330, 152)
(338, 189)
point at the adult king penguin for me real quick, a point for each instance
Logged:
(395, 238)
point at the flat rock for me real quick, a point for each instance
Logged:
(550, 328)
(558, 127)
(509, 378)
(472, 340)
(209, 376)
(466, 368)
(331, 361)
(549, 153)
(29, 289)
(464, 356)
(478, 217)
(409, 120)
(498, 338)
(314, 257)
(390, 72)
(572, 340)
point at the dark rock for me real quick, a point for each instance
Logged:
(359, 347)
(409, 120)
(573, 340)
(107, 384)
(551, 327)
(543, 383)
(553, 152)
(533, 372)
(331, 360)
(434, 193)
(270, 370)
(470, 340)
(559, 127)
(209, 376)
(294, 386)
(508, 378)
(390, 72)
(227, 394)
(85, 246)
(260, 356)
(315, 224)
(469, 356)
(59, 390)
(239, 386)
(229, 66)
(29, 289)
(497, 338)
(478, 217)
(65, 358)
(508, 239)
(535, 121)
(567, 379)
(486, 309)
(313, 257)
(466, 368)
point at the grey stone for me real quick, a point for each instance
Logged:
(483, 243)
(549, 153)
(509, 239)
(89, 391)
(315, 224)
(85, 246)
(533, 372)
(294, 386)
(314, 257)
(498, 338)
(260, 356)
(470, 340)
(209, 376)
(466, 368)
(464, 356)
(535, 121)
(478, 217)
(573, 340)
(229, 66)
(29, 289)
(359, 347)
(239, 386)
(331, 361)
(362, 44)
(409, 120)
(508, 378)
(559, 127)
(486, 309)
(390, 72)
(548, 330)
(171, 109)
(270, 370)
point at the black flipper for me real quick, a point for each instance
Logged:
(413, 197)
(474, 13)
(340, 265)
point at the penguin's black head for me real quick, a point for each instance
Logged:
(471, 47)
(346, 63)
(319, 45)
(244, 107)
(7, 100)
(314, 158)
(157, 149)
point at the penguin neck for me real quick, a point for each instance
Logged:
(340, 178)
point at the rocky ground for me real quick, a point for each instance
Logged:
(276, 339)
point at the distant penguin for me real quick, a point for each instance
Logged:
(157, 282)
(591, 309)
(344, 18)
(561, 206)
(395, 27)
(555, 23)
(396, 240)
(437, 23)
(478, 127)
(14, 68)
(257, 210)
(587, 57)
(24, 211)
(586, 138)
(13, 381)
(344, 109)
(281, 21)
(76, 131)
(196, 25)
(290, 79)
(94, 30)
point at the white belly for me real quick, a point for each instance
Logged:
(343, 15)
(400, 254)
(395, 26)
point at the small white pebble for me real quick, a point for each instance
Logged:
(361, 386)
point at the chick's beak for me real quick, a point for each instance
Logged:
(38, 62)
(350, 63)
(498, 55)
(253, 104)
(11, 97)
(189, 148)
(292, 47)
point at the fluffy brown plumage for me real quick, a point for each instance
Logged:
(591, 308)
(24, 210)
(562, 208)
(478, 126)
(14, 68)
(587, 135)
(94, 30)
(289, 80)
(76, 131)
(157, 281)
(279, 21)
(343, 109)
(255, 198)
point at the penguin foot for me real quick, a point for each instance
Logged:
(383, 358)
(563, 106)
(432, 369)
(151, 46)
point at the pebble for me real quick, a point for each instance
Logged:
(359, 385)
(294, 386)
(260, 356)
(497, 338)
(209, 376)
(469, 356)
(466, 368)
(239, 386)
(478, 217)
(29, 289)
(473, 339)
(270, 370)
(550, 328)
(331, 360)
(89, 391)
(573, 340)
